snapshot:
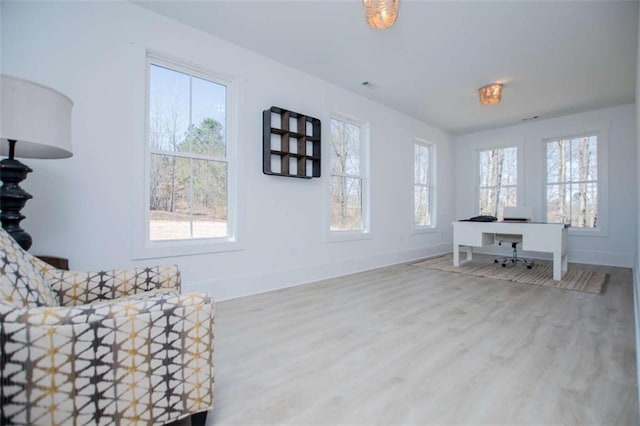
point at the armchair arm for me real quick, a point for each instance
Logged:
(127, 306)
(78, 288)
(139, 360)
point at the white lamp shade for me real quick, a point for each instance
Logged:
(37, 117)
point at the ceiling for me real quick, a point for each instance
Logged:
(553, 57)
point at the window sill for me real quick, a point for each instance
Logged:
(339, 236)
(173, 248)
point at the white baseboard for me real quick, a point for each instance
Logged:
(245, 285)
(636, 305)
(605, 258)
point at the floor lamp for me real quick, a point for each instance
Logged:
(35, 122)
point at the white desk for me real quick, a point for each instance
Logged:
(545, 237)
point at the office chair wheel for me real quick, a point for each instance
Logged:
(495, 260)
(504, 265)
(529, 266)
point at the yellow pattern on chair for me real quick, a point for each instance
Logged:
(119, 347)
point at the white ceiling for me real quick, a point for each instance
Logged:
(554, 57)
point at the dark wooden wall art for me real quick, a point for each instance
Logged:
(290, 144)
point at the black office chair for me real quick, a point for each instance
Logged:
(515, 214)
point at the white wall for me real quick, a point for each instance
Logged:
(617, 245)
(636, 268)
(82, 207)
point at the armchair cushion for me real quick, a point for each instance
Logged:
(21, 283)
(140, 360)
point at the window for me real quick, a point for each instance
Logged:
(188, 154)
(498, 180)
(423, 185)
(348, 184)
(572, 181)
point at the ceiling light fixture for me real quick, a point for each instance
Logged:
(490, 94)
(381, 14)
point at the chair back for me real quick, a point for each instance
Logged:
(516, 214)
(21, 283)
(508, 238)
(521, 214)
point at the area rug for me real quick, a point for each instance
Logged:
(576, 278)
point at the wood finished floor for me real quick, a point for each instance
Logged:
(408, 345)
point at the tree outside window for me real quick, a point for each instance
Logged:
(423, 185)
(188, 166)
(572, 181)
(498, 180)
(347, 179)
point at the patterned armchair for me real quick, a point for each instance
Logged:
(122, 347)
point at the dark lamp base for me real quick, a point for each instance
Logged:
(13, 198)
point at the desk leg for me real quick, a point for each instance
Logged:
(456, 254)
(558, 266)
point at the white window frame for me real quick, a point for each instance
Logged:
(365, 232)
(143, 246)
(432, 189)
(519, 173)
(603, 177)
